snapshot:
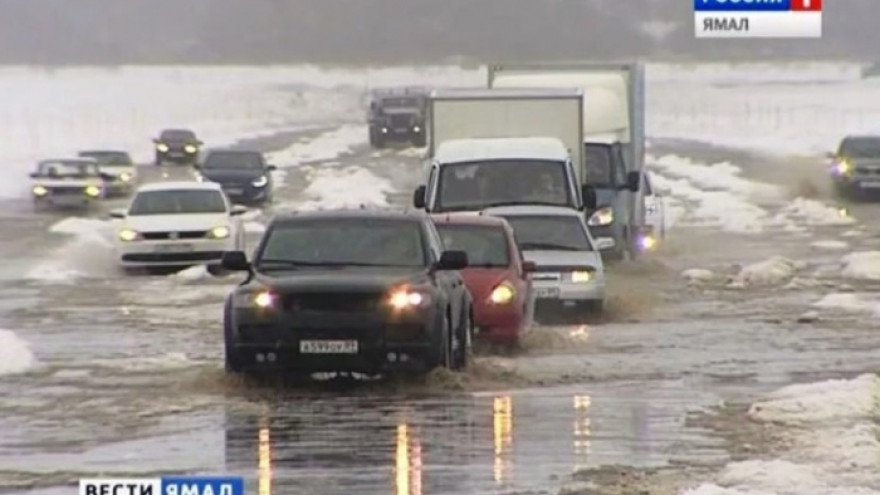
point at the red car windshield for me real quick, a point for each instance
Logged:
(485, 245)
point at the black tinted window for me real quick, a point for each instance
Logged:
(484, 245)
(535, 232)
(598, 161)
(178, 135)
(860, 148)
(193, 201)
(475, 185)
(400, 102)
(234, 160)
(108, 157)
(380, 242)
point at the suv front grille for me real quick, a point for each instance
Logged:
(341, 302)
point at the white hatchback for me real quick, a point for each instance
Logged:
(178, 224)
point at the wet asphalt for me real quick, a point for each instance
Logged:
(130, 379)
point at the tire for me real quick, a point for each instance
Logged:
(464, 335)
(232, 361)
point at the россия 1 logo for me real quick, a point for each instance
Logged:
(758, 18)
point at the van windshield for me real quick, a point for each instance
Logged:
(470, 186)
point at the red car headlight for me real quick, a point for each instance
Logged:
(502, 294)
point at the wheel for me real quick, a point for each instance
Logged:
(232, 359)
(462, 343)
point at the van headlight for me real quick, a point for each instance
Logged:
(92, 191)
(128, 235)
(221, 232)
(190, 148)
(581, 276)
(162, 147)
(601, 217)
(40, 191)
(260, 182)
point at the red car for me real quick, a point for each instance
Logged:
(497, 276)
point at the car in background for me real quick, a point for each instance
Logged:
(654, 229)
(244, 175)
(363, 291)
(569, 274)
(177, 224)
(855, 167)
(119, 165)
(497, 276)
(397, 115)
(68, 183)
(177, 146)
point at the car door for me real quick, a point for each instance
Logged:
(654, 207)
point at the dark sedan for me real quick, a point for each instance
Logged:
(244, 175)
(349, 291)
(178, 146)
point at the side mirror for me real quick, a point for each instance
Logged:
(419, 197)
(604, 243)
(452, 260)
(117, 213)
(235, 261)
(271, 168)
(238, 210)
(588, 193)
(33, 175)
(529, 267)
(634, 181)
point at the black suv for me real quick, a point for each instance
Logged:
(180, 146)
(397, 115)
(349, 291)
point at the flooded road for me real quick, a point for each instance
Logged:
(114, 375)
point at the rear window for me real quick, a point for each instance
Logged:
(486, 246)
(860, 148)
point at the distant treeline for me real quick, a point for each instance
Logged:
(395, 31)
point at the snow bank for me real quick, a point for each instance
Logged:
(327, 146)
(850, 301)
(813, 213)
(863, 265)
(834, 442)
(830, 245)
(696, 276)
(15, 354)
(772, 271)
(348, 187)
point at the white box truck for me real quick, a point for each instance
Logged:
(613, 139)
(492, 147)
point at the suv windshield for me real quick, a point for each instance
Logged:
(860, 148)
(477, 185)
(486, 246)
(177, 135)
(400, 102)
(234, 160)
(117, 158)
(597, 159)
(537, 232)
(68, 169)
(178, 201)
(345, 241)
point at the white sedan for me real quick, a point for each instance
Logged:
(181, 224)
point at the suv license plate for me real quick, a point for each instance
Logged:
(547, 292)
(328, 346)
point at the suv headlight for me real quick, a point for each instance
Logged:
(221, 232)
(261, 181)
(40, 191)
(502, 294)
(405, 298)
(125, 177)
(262, 299)
(92, 191)
(162, 147)
(190, 148)
(601, 217)
(128, 235)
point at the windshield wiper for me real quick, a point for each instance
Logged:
(549, 246)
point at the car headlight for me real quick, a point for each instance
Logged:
(842, 167)
(601, 217)
(581, 276)
(221, 232)
(263, 299)
(162, 147)
(93, 191)
(125, 177)
(128, 235)
(502, 294)
(260, 182)
(190, 148)
(401, 299)
(40, 191)
(647, 242)
(416, 128)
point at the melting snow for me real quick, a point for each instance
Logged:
(863, 265)
(348, 187)
(15, 354)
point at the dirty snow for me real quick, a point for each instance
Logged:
(864, 265)
(15, 354)
(772, 271)
(850, 301)
(348, 187)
